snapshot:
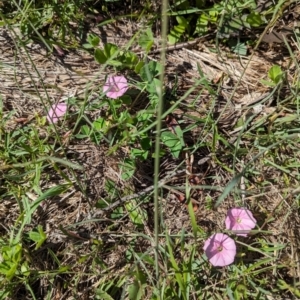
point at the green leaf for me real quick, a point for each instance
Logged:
(38, 236)
(86, 46)
(238, 48)
(150, 70)
(4, 294)
(10, 273)
(126, 99)
(138, 67)
(117, 213)
(154, 87)
(110, 50)
(172, 39)
(275, 74)
(177, 271)
(284, 286)
(169, 139)
(202, 24)
(93, 40)
(177, 31)
(182, 21)
(102, 295)
(255, 19)
(172, 142)
(129, 59)
(100, 56)
(146, 40)
(127, 168)
(101, 124)
(179, 134)
(85, 130)
(135, 291)
(136, 214)
(110, 187)
(139, 153)
(146, 143)
(63, 269)
(115, 63)
(267, 83)
(34, 236)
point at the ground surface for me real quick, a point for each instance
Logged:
(236, 130)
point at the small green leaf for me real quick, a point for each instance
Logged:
(38, 236)
(179, 134)
(110, 50)
(117, 213)
(34, 236)
(135, 291)
(154, 87)
(127, 168)
(275, 74)
(136, 215)
(139, 153)
(238, 48)
(267, 83)
(255, 19)
(85, 130)
(146, 143)
(11, 271)
(182, 21)
(172, 142)
(87, 46)
(93, 40)
(172, 39)
(146, 40)
(110, 187)
(101, 124)
(150, 70)
(100, 56)
(138, 67)
(126, 99)
(201, 25)
(102, 295)
(115, 63)
(129, 60)
(177, 31)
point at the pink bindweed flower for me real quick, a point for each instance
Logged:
(115, 86)
(240, 220)
(56, 112)
(220, 249)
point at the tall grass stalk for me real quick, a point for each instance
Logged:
(164, 31)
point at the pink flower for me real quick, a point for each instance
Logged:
(56, 111)
(115, 86)
(240, 219)
(220, 249)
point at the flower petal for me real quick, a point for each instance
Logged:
(115, 86)
(220, 249)
(56, 111)
(249, 223)
(240, 219)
